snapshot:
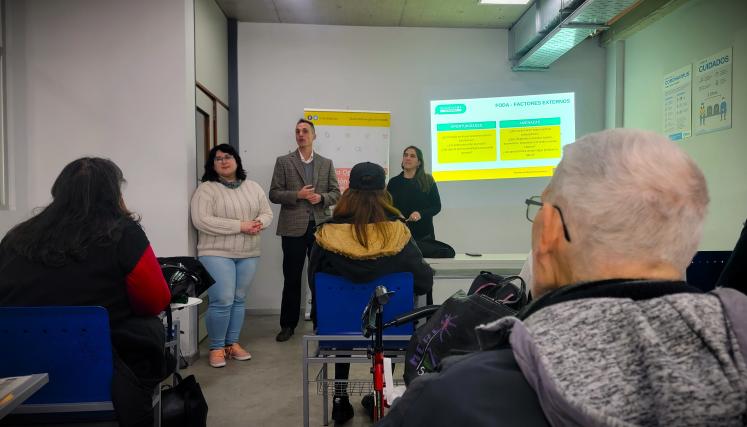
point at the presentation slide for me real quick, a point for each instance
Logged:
(495, 138)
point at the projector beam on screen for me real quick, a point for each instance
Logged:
(499, 138)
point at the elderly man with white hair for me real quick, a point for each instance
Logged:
(615, 337)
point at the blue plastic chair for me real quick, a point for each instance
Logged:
(340, 303)
(73, 346)
(339, 308)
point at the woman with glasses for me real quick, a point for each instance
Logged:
(229, 213)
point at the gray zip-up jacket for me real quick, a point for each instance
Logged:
(612, 353)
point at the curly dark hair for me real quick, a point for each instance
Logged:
(86, 210)
(210, 173)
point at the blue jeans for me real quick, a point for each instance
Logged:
(225, 314)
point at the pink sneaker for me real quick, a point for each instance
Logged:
(217, 358)
(234, 351)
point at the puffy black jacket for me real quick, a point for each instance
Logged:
(336, 251)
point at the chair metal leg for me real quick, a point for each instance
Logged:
(325, 399)
(305, 384)
(177, 348)
(157, 407)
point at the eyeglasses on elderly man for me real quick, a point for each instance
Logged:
(534, 204)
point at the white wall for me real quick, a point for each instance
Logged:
(615, 85)
(693, 31)
(211, 71)
(211, 48)
(104, 78)
(285, 67)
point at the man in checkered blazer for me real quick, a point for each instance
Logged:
(305, 185)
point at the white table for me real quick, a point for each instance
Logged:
(191, 301)
(188, 317)
(452, 274)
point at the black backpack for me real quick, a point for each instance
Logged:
(451, 329)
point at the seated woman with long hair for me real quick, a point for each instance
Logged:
(85, 248)
(366, 238)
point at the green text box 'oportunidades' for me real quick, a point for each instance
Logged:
(465, 126)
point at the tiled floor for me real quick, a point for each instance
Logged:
(266, 390)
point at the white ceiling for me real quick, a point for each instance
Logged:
(380, 13)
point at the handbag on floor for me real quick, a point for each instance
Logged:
(183, 405)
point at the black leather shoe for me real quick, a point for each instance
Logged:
(368, 404)
(342, 410)
(284, 334)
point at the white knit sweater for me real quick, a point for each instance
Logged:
(217, 212)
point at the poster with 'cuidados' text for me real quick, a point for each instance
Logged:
(712, 103)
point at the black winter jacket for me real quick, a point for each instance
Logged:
(336, 251)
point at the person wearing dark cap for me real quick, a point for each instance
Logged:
(366, 238)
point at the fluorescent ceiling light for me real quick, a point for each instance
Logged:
(504, 1)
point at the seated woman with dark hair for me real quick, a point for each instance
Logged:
(85, 248)
(366, 238)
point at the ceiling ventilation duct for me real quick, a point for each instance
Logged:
(550, 28)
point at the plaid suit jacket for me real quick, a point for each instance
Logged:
(288, 178)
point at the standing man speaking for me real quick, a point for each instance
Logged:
(305, 186)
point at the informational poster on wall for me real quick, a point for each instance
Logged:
(677, 106)
(712, 103)
(349, 137)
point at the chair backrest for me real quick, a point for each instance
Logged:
(71, 344)
(705, 269)
(340, 303)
